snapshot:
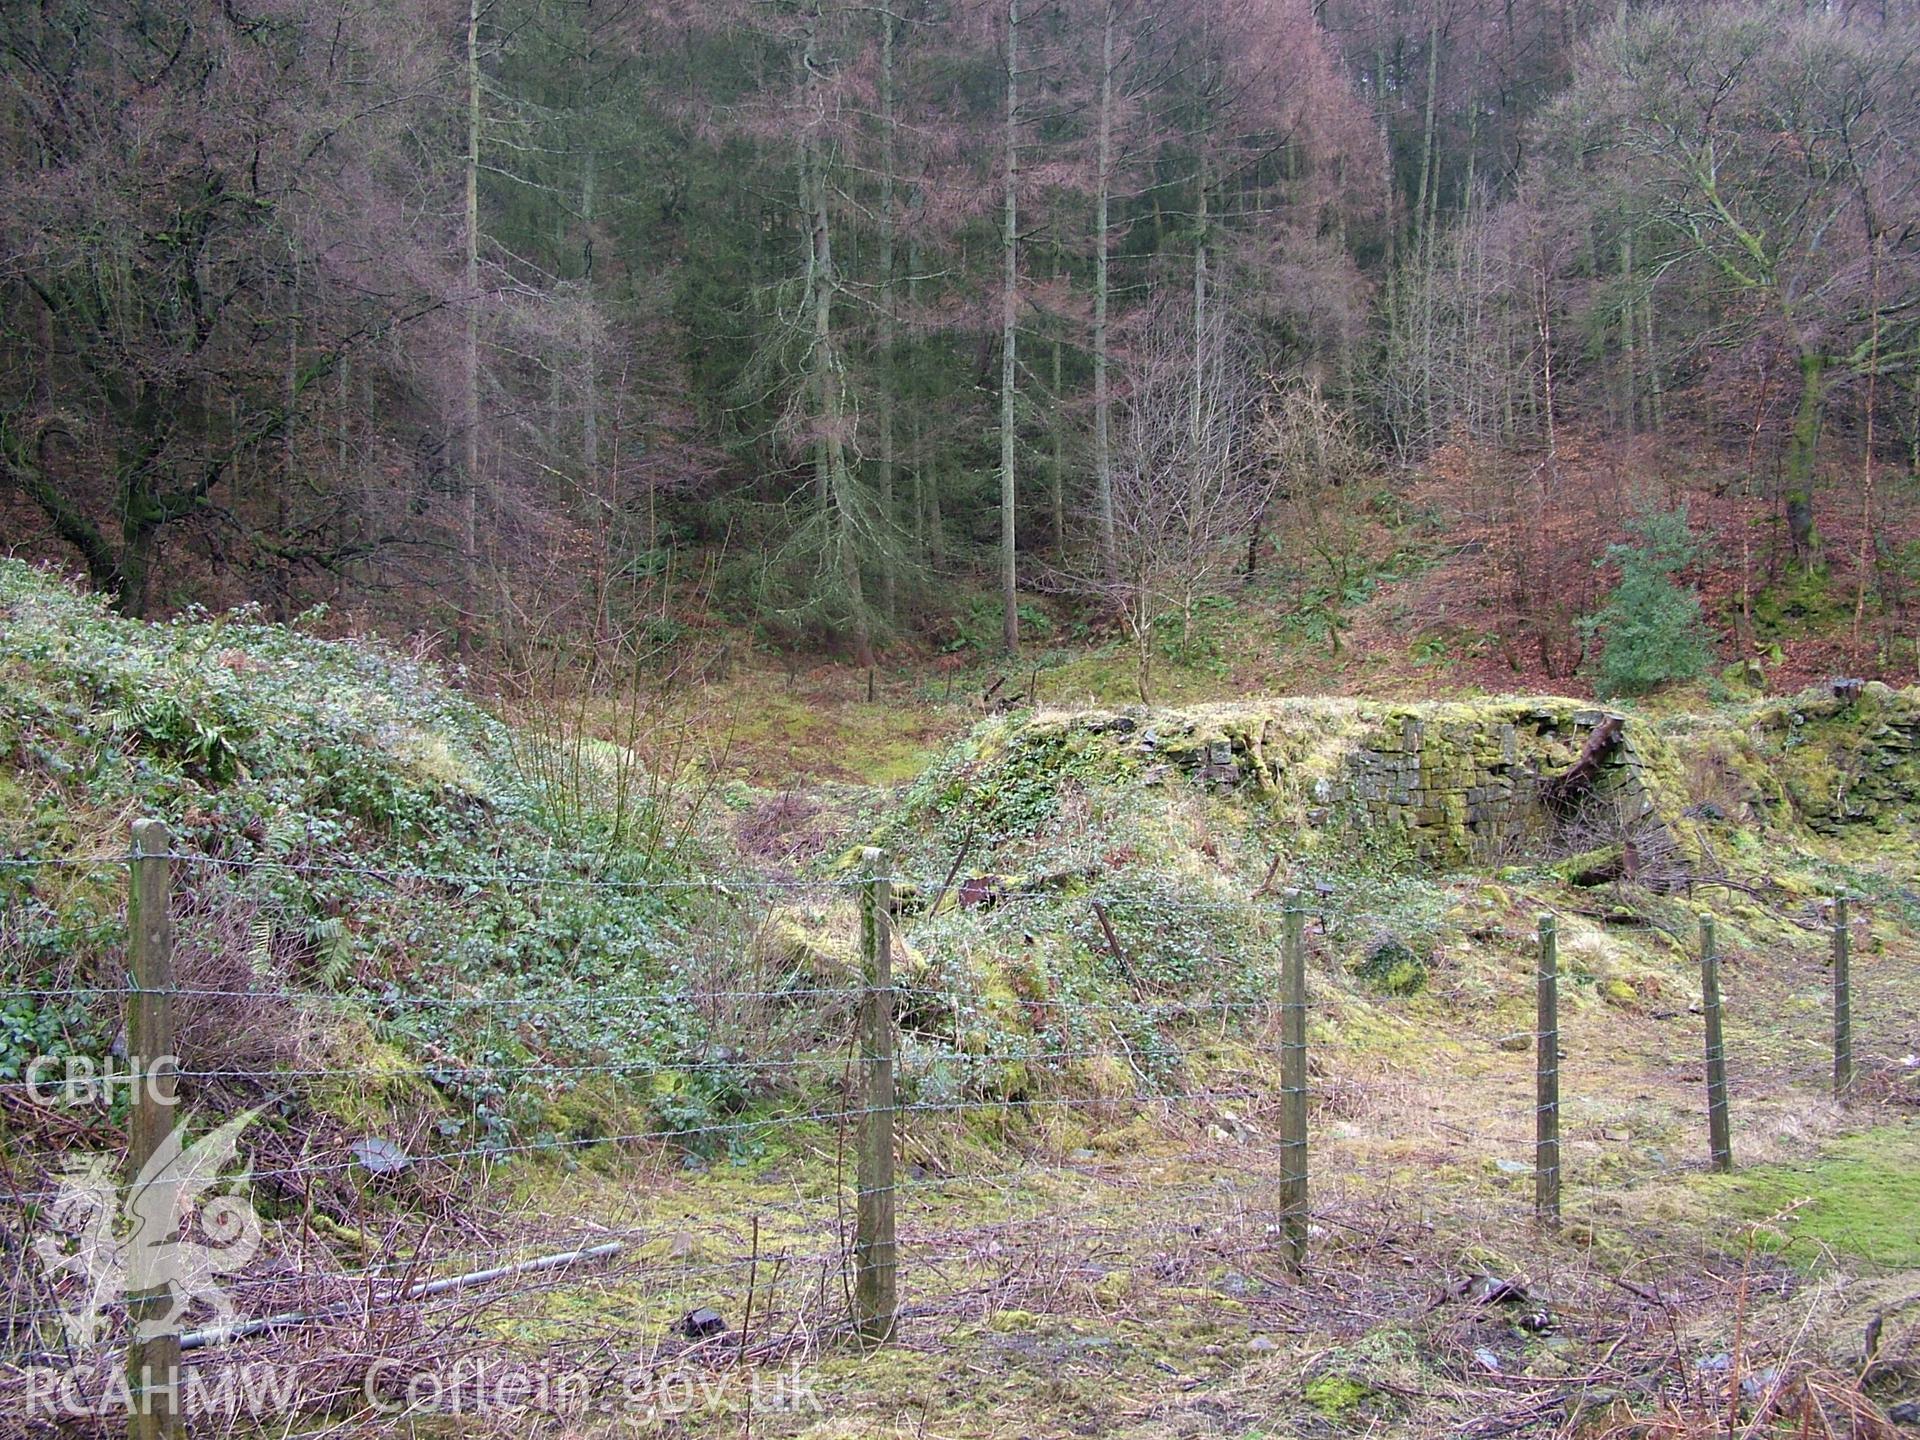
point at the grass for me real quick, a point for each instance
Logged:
(776, 732)
(1857, 1200)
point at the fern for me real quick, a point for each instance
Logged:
(333, 951)
(260, 946)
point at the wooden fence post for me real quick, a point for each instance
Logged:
(1719, 1143)
(1546, 1071)
(153, 1350)
(875, 1254)
(1293, 1085)
(1842, 1000)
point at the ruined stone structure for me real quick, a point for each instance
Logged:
(1464, 782)
(1483, 782)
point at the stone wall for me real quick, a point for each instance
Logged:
(1463, 782)
(1460, 781)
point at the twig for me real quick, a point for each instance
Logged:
(959, 859)
(746, 1319)
(1113, 942)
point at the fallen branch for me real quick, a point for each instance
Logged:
(1559, 791)
(245, 1329)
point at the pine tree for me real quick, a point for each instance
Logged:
(1649, 629)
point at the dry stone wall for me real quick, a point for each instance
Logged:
(1460, 781)
(1464, 781)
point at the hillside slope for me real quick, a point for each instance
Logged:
(345, 823)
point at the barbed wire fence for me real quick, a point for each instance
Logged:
(851, 1072)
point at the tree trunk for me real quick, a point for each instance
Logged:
(1009, 298)
(925, 478)
(600, 493)
(470, 369)
(1656, 405)
(140, 514)
(1386, 149)
(1102, 400)
(71, 524)
(936, 525)
(1801, 454)
(1629, 398)
(1424, 198)
(138, 533)
(282, 581)
(1863, 559)
(1200, 238)
(1059, 476)
(1546, 357)
(888, 586)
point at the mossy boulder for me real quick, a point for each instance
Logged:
(1394, 966)
(809, 948)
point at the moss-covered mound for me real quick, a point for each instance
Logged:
(1144, 857)
(1454, 784)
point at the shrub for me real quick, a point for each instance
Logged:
(1649, 628)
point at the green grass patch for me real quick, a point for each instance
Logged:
(824, 728)
(1861, 1197)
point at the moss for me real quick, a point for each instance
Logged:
(1744, 677)
(1335, 1396)
(1591, 867)
(1391, 1032)
(1859, 1198)
(352, 1238)
(808, 949)
(1620, 993)
(1802, 601)
(1393, 967)
(383, 1083)
(592, 1108)
(1137, 1134)
(1014, 1322)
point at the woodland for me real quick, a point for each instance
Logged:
(847, 330)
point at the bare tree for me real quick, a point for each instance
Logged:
(1320, 464)
(1188, 481)
(1768, 148)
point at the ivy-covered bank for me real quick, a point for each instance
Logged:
(356, 828)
